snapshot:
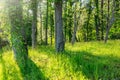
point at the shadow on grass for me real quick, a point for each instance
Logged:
(31, 71)
(94, 67)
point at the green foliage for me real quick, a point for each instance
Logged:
(83, 61)
(27, 26)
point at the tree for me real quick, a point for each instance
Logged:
(89, 12)
(76, 21)
(75, 26)
(110, 20)
(59, 37)
(65, 20)
(46, 25)
(97, 21)
(70, 20)
(102, 24)
(41, 21)
(34, 23)
(19, 44)
(51, 19)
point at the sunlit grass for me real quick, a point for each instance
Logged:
(82, 61)
(1, 75)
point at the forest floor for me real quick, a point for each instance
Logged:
(83, 61)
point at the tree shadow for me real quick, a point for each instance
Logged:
(94, 67)
(47, 49)
(31, 71)
(104, 67)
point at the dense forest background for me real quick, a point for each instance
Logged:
(58, 25)
(87, 20)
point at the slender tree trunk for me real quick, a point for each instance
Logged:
(51, 37)
(102, 23)
(70, 22)
(87, 23)
(46, 27)
(34, 24)
(87, 27)
(108, 15)
(65, 20)
(41, 27)
(74, 38)
(59, 37)
(51, 25)
(18, 35)
(75, 26)
(111, 20)
(97, 23)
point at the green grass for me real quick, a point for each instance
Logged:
(83, 61)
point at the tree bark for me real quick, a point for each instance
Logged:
(46, 27)
(70, 22)
(65, 19)
(41, 24)
(34, 23)
(51, 25)
(111, 20)
(86, 36)
(74, 38)
(75, 26)
(102, 23)
(97, 21)
(17, 36)
(59, 37)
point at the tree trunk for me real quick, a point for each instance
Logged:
(102, 24)
(51, 25)
(34, 24)
(59, 37)
(75, 26)
(97, 23)
(70, 22)
(86, 36)
(41, 27)
(46, 27)
(17, 35)
(111, 20)
(74, 38)
(65, 19)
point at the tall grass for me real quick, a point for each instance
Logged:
(82, 61)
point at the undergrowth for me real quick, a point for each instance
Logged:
(82, 61)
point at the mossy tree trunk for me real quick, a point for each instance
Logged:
(18, 35)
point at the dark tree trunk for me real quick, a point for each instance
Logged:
(46, 27)
(86, 35)
(102, 24)
(59, 37)
(97, 21)
(18, 35)
(70, 22)
(34, 24)
(51, 25)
